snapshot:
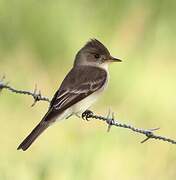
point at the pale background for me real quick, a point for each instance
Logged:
(38, 42)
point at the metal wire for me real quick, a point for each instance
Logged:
(149, 133)
(90, 115)
(36, 95)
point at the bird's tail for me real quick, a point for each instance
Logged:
(33, 135)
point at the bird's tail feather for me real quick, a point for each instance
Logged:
(33, 136)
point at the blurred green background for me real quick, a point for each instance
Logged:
(38, 42)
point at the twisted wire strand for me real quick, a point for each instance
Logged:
(148, 133)
(36, 95)
(109, 120)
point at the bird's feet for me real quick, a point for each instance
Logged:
(87, 114)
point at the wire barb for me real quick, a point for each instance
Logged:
(109, 121)
(149, 134)
(36, 96)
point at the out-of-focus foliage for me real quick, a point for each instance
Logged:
(38, 42)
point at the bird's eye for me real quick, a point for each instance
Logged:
(96, 56)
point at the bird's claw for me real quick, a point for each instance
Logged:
(87, 114)
(2, 84)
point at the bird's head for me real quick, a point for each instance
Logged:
(94, 53)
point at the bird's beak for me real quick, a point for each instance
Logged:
(113, 59)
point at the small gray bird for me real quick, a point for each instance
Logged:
(81, 87)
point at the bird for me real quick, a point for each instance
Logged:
(81, 87)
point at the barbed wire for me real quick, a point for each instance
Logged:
(87, 115)
(36, 94)
(149, 133)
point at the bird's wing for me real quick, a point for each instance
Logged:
(79, 83)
